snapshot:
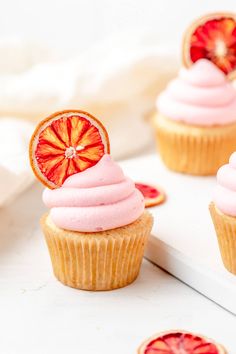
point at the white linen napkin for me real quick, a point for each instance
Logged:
(117, 80)
(15, 172)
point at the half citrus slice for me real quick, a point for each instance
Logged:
(180, 342)
(66, 143)
(212, 37)
(152, 195)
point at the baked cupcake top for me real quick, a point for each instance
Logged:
(200, 95)
(97, 199)
(225, 192)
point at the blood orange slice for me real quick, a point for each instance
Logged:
(212, 37)
(66, 143)
(180, 342)
(152, 195)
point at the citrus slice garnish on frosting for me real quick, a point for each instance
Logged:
(152, 195)
(66, 143)
(180, 342)
(212, 37)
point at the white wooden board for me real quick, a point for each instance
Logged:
(183, 240)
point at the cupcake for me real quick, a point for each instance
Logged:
(223, 212)
(97, 226)
(195, 121)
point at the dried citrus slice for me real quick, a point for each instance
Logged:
(212, 37)
(180, 342)
(66, 143)
(152, 195)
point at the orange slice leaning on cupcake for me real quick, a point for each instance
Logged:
(196, 114)
(223, 212)
(97, 226)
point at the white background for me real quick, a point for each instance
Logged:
(75, 24)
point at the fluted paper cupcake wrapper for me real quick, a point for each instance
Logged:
(225, 227)
(194, 150)
(97, 261)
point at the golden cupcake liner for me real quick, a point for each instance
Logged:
(97, 261)
(225, 227)
(192, 149)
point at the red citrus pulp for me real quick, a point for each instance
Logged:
(152, 195)
(212, 37)
(66, 143)
(180, 342)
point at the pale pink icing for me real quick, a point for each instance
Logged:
(100, 198)
(225, 192)
(200, 95)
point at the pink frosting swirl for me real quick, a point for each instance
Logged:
(97, 199)
(225, 192)
(200, 95)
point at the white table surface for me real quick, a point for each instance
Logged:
(38, 315)
(187, 246)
